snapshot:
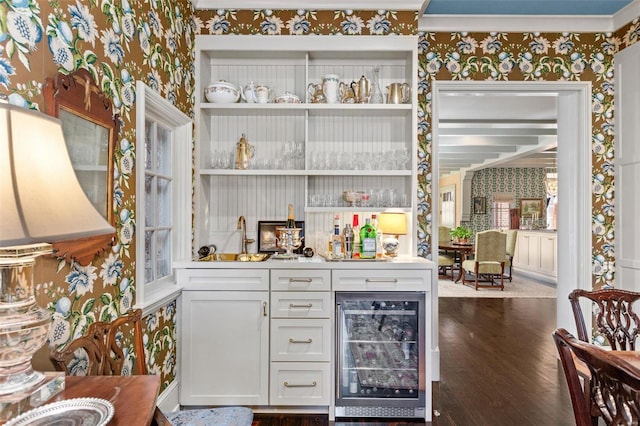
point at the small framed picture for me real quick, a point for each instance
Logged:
(531, 207)
(267, 242)
(479, 205)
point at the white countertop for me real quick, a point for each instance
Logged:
(404, 262)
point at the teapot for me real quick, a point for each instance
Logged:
(244, 153)
(248, 93)
(361, 90)
(398, 93)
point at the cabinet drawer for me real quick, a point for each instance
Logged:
(382, 280)
(300, 340)
(300, 279)
(299, 383)
(300, 304)
(223, 279)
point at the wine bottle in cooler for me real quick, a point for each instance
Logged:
(291, 223)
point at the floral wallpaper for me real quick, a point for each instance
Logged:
(531, 57)
(118, 42)
(122, 41)
(522, 182)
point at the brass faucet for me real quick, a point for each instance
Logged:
(242, 224)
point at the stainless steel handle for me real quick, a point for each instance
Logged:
(293, 305)
(381, 280)
(292, 340)
(312, 385)
(300, 280)
(264, 309)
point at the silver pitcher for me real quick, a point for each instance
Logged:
(398, 93)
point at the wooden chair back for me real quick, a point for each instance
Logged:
(614, 386)
(100, 351)
(615, 317)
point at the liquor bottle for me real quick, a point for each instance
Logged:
(368, 241)
(348, 241)
(291, 223)
(355, 225)
(374, 223)
(337, 250)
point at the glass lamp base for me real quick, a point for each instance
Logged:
(12, 405)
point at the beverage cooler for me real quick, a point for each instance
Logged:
(380, 354)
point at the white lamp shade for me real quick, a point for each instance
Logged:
(392, 223)
(41, 199)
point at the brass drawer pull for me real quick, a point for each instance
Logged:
(293, 305)
(292, 340)
(381, 280)
(312, 385)
(264, 309)
(300, 280)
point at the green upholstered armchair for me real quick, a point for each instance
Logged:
(512, 235)
(489, 259)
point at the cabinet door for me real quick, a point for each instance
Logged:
(225, 348)
(548, 254)
(534, 251)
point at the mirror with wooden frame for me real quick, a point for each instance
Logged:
(90, 129)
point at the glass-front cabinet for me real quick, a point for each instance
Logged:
(302, 149)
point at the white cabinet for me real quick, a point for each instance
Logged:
(301, 337)
(536, 254)
(224, 337)
(306, 154)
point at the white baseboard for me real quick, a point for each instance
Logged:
(169, 399)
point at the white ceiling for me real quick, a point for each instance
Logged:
(479, 130)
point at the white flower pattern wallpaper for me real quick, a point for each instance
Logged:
(122, 41)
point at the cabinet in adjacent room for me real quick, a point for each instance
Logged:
(536, 254)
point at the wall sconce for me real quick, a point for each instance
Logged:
(393, 225)
(41, 201)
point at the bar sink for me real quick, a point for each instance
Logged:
(235, 257)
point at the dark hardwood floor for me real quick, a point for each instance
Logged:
(498, 367)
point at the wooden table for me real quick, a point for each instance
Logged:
(462, 249)
(133, 397)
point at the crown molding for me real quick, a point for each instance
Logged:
(626, 14)
(515, 23)
(417, 5)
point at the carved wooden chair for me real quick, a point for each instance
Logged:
(101, 351)
(615, 319)
(614, 388)
(488, 261)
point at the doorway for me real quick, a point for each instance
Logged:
(574, 177)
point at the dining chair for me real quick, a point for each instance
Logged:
(614, 386)
(512, 235)
(488, 262)
(104, 350)
(445, 260)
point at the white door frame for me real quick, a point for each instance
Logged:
(574, 182)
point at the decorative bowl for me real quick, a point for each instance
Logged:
(222, 92)
(287, 98)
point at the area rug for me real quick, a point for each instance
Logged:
(521, 287)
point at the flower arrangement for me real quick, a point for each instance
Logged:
(461, 234)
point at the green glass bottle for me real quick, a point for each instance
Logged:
(368, 241)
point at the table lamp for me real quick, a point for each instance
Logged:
(393, 225)
(41, 201)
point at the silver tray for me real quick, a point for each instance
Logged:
(70, 412)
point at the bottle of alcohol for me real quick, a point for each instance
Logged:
(348, 241)
(368, 241)
(291, 223)
(337, 246)
(374, 223)
(355, 225)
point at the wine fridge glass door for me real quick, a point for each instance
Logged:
(380, 351)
